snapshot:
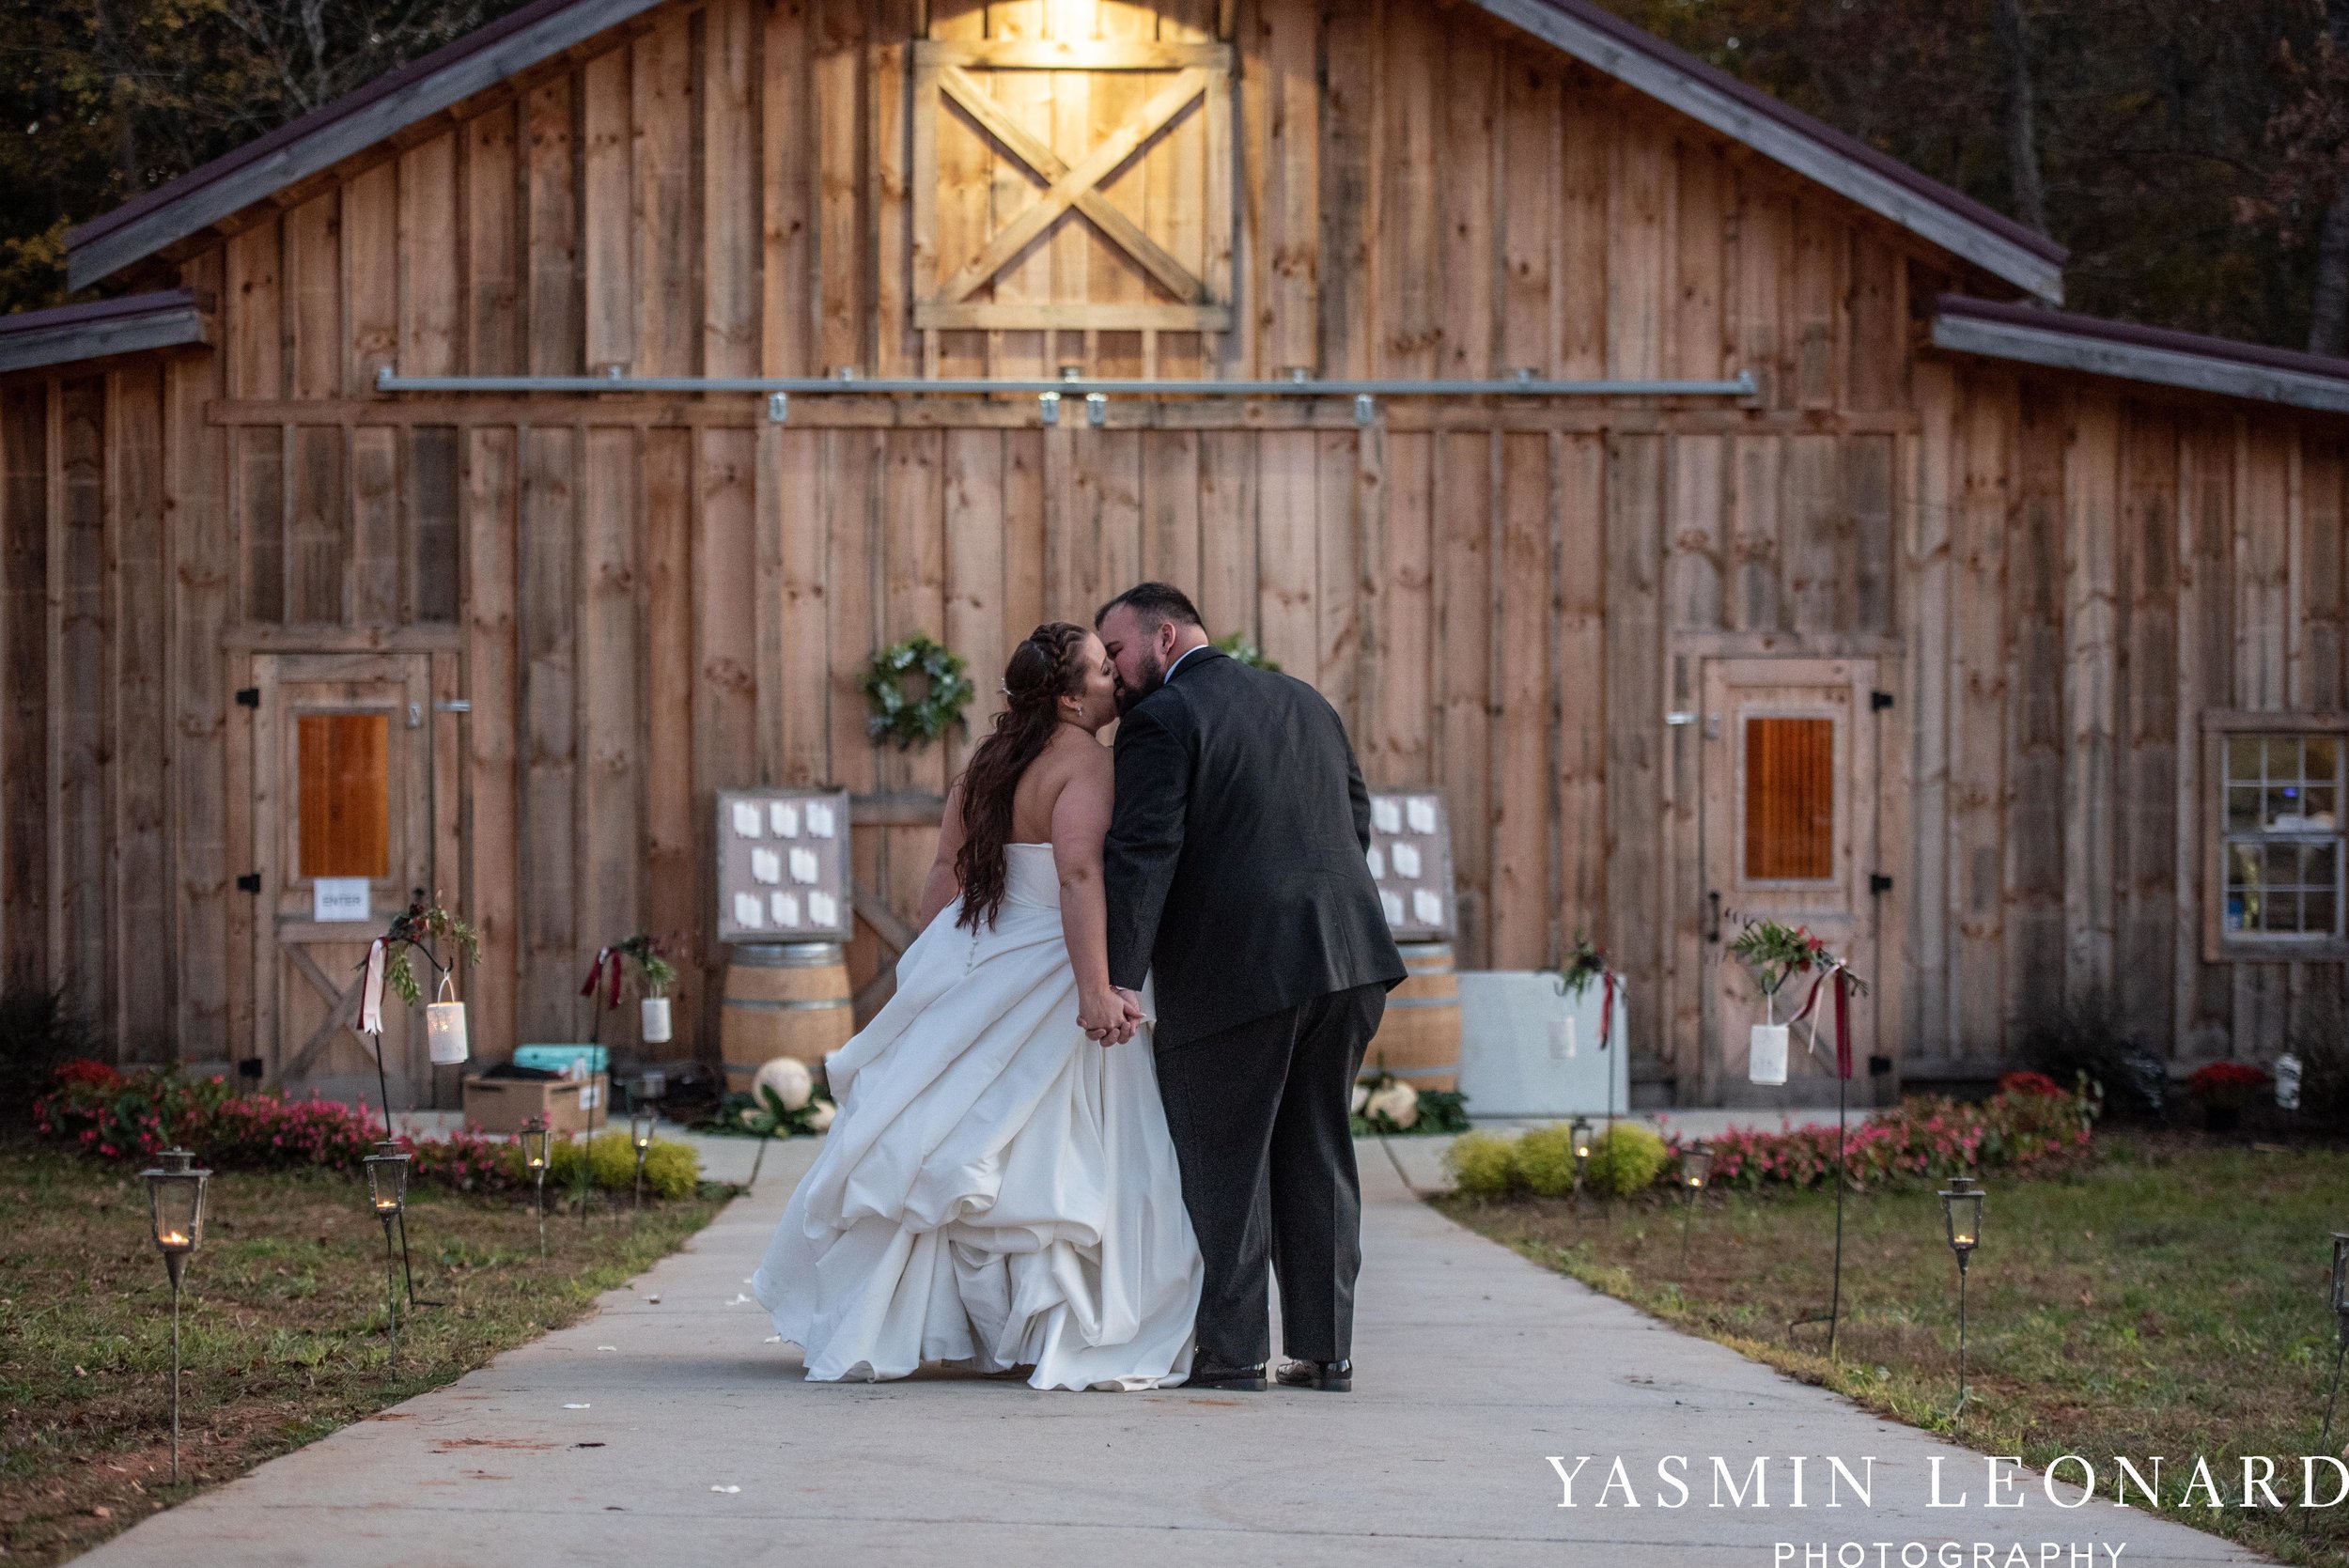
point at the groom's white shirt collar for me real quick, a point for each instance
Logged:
(1178, 662)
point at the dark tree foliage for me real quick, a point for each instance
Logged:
(2152, 128)
(2187, 150)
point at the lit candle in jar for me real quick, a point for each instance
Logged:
(174, 1238)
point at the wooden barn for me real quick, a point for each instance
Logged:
(466, 481)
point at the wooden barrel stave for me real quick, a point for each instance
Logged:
(1419, 1040)
(784, 999)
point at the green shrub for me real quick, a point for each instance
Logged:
(1545, 1161)
(1625, 1158)
(671, 1168)
(1483, 1164)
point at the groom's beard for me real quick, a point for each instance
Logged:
(1153, 677)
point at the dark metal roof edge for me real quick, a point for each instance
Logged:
(2130, 334)
(2153, 356)
(1817, 130)
(34, 340)
(153, 303)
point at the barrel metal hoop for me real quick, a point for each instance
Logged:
(789, 1003)
(1396, 1002)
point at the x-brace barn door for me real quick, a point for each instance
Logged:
(1170, 230)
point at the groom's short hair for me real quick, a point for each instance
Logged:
(1156, 603)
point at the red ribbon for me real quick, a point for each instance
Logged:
(606, 968)
(1607, 1011)
(1843, 1031)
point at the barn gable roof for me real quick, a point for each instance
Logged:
(2157, 356)
(540, 31)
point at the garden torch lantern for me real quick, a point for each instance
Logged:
(387, 1195)
(1961, 1216)
(534, 1136)
(2341, 1320)
(642, 1112)
(1696, 1168)
(1580, 1133)
(175, 1219)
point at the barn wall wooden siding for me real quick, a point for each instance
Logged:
(654, 598)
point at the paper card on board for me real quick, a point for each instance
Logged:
(1561, 1039)
(784, 817)
(766, 867)
(1426, 907)
(1421, 812)
(1392, 903)
(1407, 860)
(786, 906)
(1377, 863)
(819, 819)
(823, 909)
(748, 912)
(746, 820)
(1385, 815)
(339, 899)
(804, 866)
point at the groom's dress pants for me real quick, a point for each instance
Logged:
(1259, 1114)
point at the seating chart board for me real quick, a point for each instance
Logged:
(1411, 859)
(783, 865)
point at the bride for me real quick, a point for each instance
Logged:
(998, 1189)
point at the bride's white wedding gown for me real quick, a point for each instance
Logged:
(996, 1190)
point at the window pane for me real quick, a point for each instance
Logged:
(345, 760)
(2318, 804)
(2282, 913)
(2323, 759)
(2283, 757)
(2243, 810)
(2243, 759)
(1790, 799)
(2320, 913)
(2284, 867)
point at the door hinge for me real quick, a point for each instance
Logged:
(249, 882)
(248, 696)
(1879, 882)
(1879, 701)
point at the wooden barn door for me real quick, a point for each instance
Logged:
(342, 796)
(1791, 821)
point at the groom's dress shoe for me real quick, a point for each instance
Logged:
(1250, 1379)
(1330, 1378)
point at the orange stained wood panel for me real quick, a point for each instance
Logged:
(1790, 799)
(346, 794)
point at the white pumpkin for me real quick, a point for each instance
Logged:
(820, 1120)
(1397, 1102)
(1362, 1097)
(788, 1077)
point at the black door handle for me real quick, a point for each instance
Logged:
(1713, 931)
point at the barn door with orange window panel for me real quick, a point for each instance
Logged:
(342, 806)
(1789, 828)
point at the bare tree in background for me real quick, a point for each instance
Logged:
(2022, 117)
(2307, 197)
(2328, 308)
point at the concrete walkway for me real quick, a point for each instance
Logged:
(665, 1429)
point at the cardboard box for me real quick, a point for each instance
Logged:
(501, 1105)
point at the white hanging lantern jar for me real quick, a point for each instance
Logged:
(653, 1012)
(445, 1027)
(1765, 1054)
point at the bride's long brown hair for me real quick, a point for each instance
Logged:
(1050, 665)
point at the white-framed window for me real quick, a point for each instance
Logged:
(2275, 809)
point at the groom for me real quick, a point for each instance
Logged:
(1235, 871)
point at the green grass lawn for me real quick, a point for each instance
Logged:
(282, 1327)
(2163, 1297)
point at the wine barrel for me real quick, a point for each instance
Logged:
(1419, 1040)
(783, 999)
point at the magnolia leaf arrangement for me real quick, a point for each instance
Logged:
(419, 927)
(917, 690)
(1585, 963)
(1775, 954)
(1240, 647)
(655, 974)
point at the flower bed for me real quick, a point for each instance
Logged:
(2028, 1119)
(133, 1117)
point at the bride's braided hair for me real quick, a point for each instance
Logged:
(1050, 665)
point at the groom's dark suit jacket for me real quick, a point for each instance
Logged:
(1235, 858)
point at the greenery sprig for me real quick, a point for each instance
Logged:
(418, 927)
(1240, 647)
(655, 974)
(915, 716)
(1776, 952)
(1585, 963)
